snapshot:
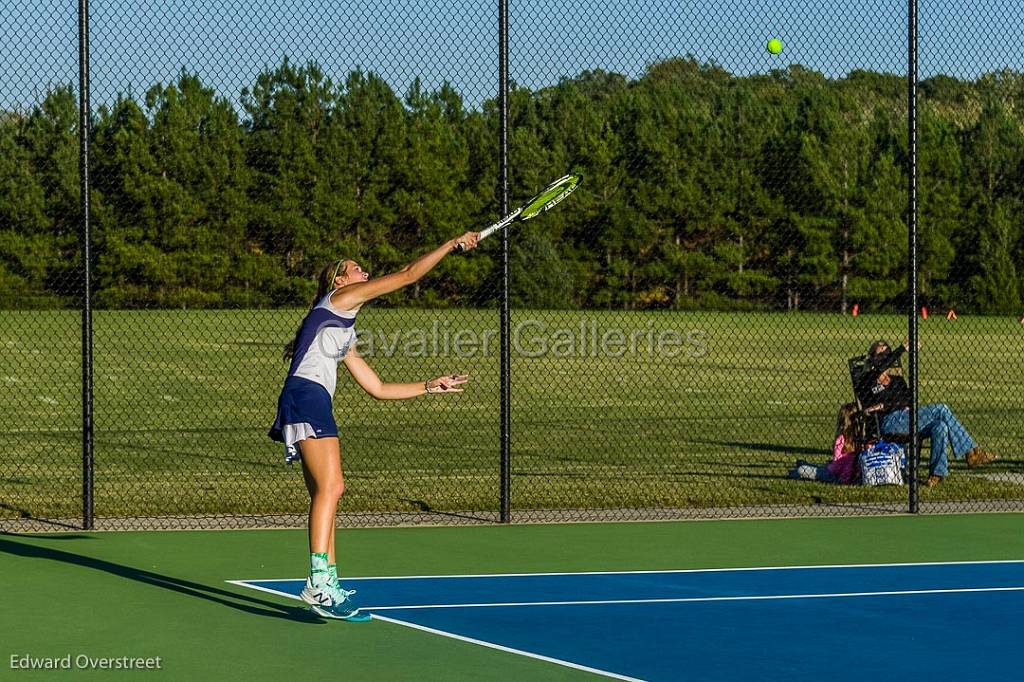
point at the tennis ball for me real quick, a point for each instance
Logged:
(775, 46)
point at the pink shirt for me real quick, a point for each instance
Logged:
(843, 465)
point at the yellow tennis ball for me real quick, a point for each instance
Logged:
(775, 46)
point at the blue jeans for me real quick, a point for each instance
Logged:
(939, 423)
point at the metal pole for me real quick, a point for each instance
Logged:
(506, 353)
(912, 247)
(86, 238)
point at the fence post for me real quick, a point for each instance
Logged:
(84, 109)
(912, 246)
(506, 355)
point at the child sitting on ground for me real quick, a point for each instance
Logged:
(843, 467)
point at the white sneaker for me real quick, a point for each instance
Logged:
(331, 601)
(317, 594)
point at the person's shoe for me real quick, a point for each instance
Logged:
(316, 594)
(345, 593)
(342, 610)
(807, 471)
(331, 601)
(933, 481)
(978, 457)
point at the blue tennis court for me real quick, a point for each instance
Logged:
(940, 621)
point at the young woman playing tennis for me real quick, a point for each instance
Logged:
(305, 421)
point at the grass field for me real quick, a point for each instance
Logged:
(183, 401)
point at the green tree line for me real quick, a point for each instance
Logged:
(703, 189)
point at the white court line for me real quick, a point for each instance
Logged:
(671, 570)
(244, 583)
(660, 600)
(499, 647)
(692, 600)
(452, 635)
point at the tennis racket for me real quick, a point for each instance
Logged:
(548, 198)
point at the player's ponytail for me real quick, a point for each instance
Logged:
(324, 283)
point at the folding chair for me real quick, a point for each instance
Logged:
(862, 381)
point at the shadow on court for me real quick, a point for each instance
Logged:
(9, 544)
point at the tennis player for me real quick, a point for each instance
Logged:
(305, 420)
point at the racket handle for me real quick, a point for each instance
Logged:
(488, 231)
(461, 248)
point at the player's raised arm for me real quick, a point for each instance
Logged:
(355, 295)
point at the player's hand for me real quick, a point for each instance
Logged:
(467, 241)
(447, 384)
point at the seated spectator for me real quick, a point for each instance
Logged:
(886, 392)
(843, 467)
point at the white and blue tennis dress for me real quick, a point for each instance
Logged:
(304, 408)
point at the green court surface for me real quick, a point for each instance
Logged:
(164, 594)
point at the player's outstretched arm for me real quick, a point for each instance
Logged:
(371, 383)
(354, 295)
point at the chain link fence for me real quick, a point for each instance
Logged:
(40, 280)
(706, 268)
(681, 328)
(971, 272)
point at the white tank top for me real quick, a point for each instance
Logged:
(324, 340)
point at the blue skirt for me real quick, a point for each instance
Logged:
(304, 402)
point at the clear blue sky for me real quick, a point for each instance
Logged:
(139, 43)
